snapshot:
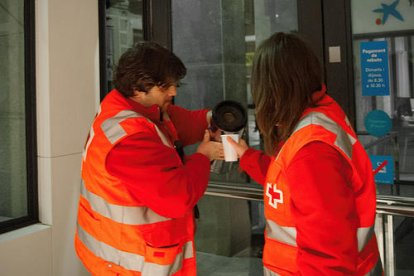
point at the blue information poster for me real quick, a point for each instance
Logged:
(383, 168)
(374, 68)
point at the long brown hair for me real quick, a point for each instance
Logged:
(285, 74)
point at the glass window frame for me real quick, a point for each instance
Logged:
(32, 216)
(156, 27)
(395, 188)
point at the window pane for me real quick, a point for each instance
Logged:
(13, 180)
(124, 28)
(216, 41)
(384, 81)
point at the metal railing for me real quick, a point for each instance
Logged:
(387, 208)
(395, 205)
(387, 205)
(234, 190)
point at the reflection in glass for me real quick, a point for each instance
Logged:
(398, 105)
(13, 182)
(404, 243)
(124, 28)
(216, 41)
(368, 25)
(398, 232)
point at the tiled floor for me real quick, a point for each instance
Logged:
(215, 265)
(249, 263)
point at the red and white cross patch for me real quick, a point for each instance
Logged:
(275, 196)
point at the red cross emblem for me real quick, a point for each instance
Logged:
(275, 196)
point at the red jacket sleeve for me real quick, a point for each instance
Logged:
(255, 163)
(190, 124)
(323, 207)
(154, 174)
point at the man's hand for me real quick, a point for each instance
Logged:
(215, 134)
(211, 149)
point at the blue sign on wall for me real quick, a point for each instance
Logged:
(377, 123)
(374, 68)
(383, 168)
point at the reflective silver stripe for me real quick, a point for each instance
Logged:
(283, 234)
(364, 235)
(188, 250)
(129, 260)
(268, 272)
(151, 269)
(114, 131)
(119, 213)
(88, 143)
(112, 127)
(348, 123)
(288, 234)
(344, 141)
(164, 139)
(108, 253)
(376, 270)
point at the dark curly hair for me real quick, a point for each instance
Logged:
(146, 65)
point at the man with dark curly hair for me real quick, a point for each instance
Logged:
(138, 189)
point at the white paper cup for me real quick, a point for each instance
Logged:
(230, 154)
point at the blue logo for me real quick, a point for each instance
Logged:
(388, 10)
(378, 123)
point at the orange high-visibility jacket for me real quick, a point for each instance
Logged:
(116, 234)
(326, 123)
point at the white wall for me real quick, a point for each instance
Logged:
(67, 75)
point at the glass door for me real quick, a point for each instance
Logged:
(383, 47)
(216, 41)
(121, 25)
(383, 37)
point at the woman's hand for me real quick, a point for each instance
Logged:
(240, 147)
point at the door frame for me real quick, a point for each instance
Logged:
(339, 76)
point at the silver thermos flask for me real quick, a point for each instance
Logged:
(228, 117)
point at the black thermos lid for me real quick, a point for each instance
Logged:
(229, 116)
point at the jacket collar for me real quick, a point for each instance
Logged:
(319, 95)
(152, 112)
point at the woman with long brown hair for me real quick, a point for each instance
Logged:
(319, 192)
